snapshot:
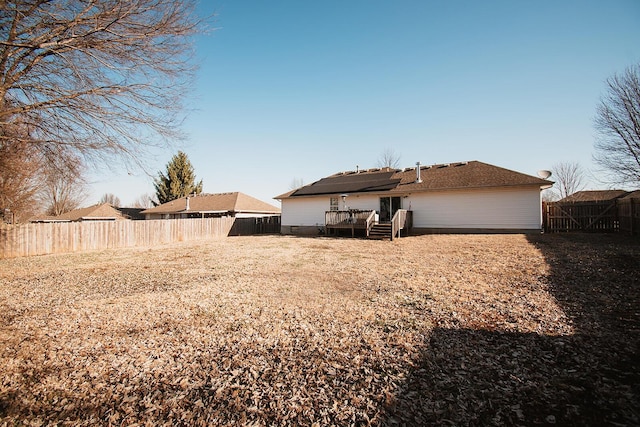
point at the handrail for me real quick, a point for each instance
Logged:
(342, 217)
(370, 221)
(398, 222)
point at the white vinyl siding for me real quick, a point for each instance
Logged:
(518, 208)
(499, 209)
(363, 202)
(308, 211)
(304, 211)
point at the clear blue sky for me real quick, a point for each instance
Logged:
(300, 90)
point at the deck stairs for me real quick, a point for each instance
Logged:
(380, 231)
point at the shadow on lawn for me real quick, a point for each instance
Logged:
(481, 377)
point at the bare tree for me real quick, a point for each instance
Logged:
(296, 183)
(20, 179)
(568, 177)
(95, 78)
(64, 189)
(145, 201)
(110, 198)
(618, 124)
(389, 159)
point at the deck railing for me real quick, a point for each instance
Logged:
(371, 219)
(365, 220)
(401, 220)
(346, 217)
(351, 219)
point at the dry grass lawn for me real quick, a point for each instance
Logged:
(272, 330)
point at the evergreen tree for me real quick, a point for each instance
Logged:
(179, 181)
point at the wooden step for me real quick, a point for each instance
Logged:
(380, 231)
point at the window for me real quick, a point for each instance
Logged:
(333, 206)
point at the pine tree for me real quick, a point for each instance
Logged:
(179, 181)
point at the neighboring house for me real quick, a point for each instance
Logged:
(594, 196)
(99, 212)
(456, 197)
(632, 195)
(236, 204)
(132, 213)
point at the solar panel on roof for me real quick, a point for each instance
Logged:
(350, 183)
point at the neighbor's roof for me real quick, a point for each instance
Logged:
(448, 176)
(594, 196)
(633, 195)
(97, 212)
(221, 202)
(131, 213)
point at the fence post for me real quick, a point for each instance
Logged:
(632, 213)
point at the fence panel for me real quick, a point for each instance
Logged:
(251, 226)
(629, 214)
(50, 238)
(621, 215)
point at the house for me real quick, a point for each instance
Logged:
(455, 197)
(235, 204)
(98, 212)
(594, 196)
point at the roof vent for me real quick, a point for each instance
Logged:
(187, 202)
(418, 179)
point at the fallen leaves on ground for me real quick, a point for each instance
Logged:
(273, 330)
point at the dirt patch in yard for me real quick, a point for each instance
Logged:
(272, 330)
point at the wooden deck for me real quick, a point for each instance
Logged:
(361, 222)
(354, 220)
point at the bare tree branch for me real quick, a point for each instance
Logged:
(20, 179)
(101, 78)
(296, 183)
(618, 124)
(112, 199)
(568, 177)
(64, 189)
(145, 201)
(389, 159)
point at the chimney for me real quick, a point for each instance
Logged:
(187, 208)
(357, 169)
(418, 179)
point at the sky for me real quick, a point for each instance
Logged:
(294, 91)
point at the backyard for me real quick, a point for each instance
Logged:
(274, 330)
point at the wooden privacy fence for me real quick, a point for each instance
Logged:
(629, 215)
(622, 215)
(251, 226)
(51, 238)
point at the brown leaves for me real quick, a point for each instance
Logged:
(286, 331)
